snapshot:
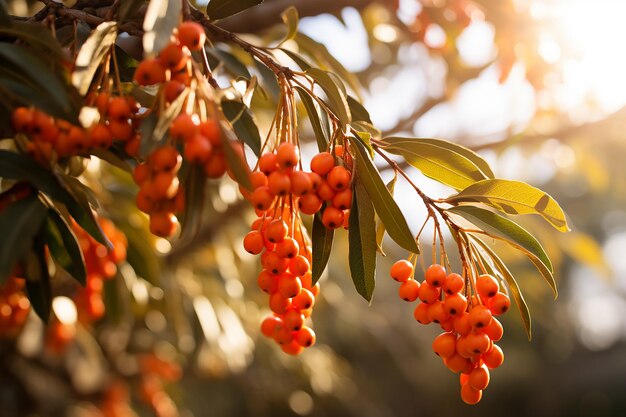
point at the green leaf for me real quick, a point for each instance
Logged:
(242, 119)
(514, 197)
(38, 281)
(219, 9)
(513, 287)
(38, 73)
(64, 246)
(270, 82)
(358, 112)
(161, 17)
(337, 100)
(151, 138)
(322, 243)
(236, 165)
(386, 207)
(327, 61)
(318, 119)
(290, 18)
(380, 229)
(91, 55)
(297, 58)
(515, 235)
(362, 242)
(462, 150)
(231, 62)
(35, 34)
(440, 164)
(113, 157)
(362, 126)
(18, 167)
(194, 186)
(19, 223)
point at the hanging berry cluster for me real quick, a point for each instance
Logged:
(470, 326)
(14, 306)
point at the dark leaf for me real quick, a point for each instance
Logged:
(128, 8)
(64, 246)
(219, 9)
(19, 223)
(38, 282)
(270, 83)
(386, 207)
(236, 165)
(318, 119)
(231, 62)
(358, 112)
(380, 228)
(194, 186)
(337, 100)
(242, 119)
(322, 243)
(34, 34)
(362, 242)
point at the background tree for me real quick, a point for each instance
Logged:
(190, 303)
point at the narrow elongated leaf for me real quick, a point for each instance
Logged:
(35, 34)
(161, 17)
(19, 223)
(64, 247)
(462, 150)
(380, 228)
(240, 116)
(318, 119)
(154, 131)
(327, 61)
(231, 62)
(322, 243)
(236, 165)
(91, 55)
(358, 112)
(513, 287)
(38, 72)
(38, 281)
(514, 197)
(440, 164)
(18, 167)
(386, 207)
(193, 184)
(297, 58)
(219, 9)
(497, 226)
(290, 18)
(270, 83)
(362, 242)
(337, 100)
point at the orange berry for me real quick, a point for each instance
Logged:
(343, 199)
(494, 357)
(437, 313)
(279, 304)
(453, 284)
(262, 198)
(172, 89)
(332, 217)
(198, 149)
(409, 290)
(119, 109)
(292, 348)
(455, 304)
(211, 130)
(173, 57)
(479, 317)
(325, 191)
(301, 183)
(141, 173)
(487, 286)
(305, 337)
(149, 72)
(165, 159)
(274, 263)
(269, 324)
(268, 163)
(309, 204)
(479, 378)
(462, 325)
(478, 342)
(282, 335)
(494, 330)
(293, 320)
(456, 363)
(267, 282)
(470, 395)
(183, 127)
(338, 178)
(322, 163)
(421, 313)
(289, 285)
(253, 242)
(215, 166)
(163, 224)
(101, 136)
(401, 270)
(303, 300)
(499, 304)
(279, 183)
(144, 201)
(444, 345)
(299, 265)
(191, 35)
(287, 155)
(22, 119)
(429, 294)
(276, 230)
(287, 248)
(435, 275)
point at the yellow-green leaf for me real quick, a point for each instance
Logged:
(514, 197)
(441, 164)
(290, 18)
(318, 119)
(337, 100)
(386, 207)
(462, 150)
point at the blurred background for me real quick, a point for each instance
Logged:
(535, 86)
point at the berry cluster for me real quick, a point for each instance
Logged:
(55, 138)
(470, 326)
(14, 307)
(155, 372)
(101, 265)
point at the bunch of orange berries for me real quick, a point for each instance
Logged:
(50, 137)
(14, 306)
(470, 325)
